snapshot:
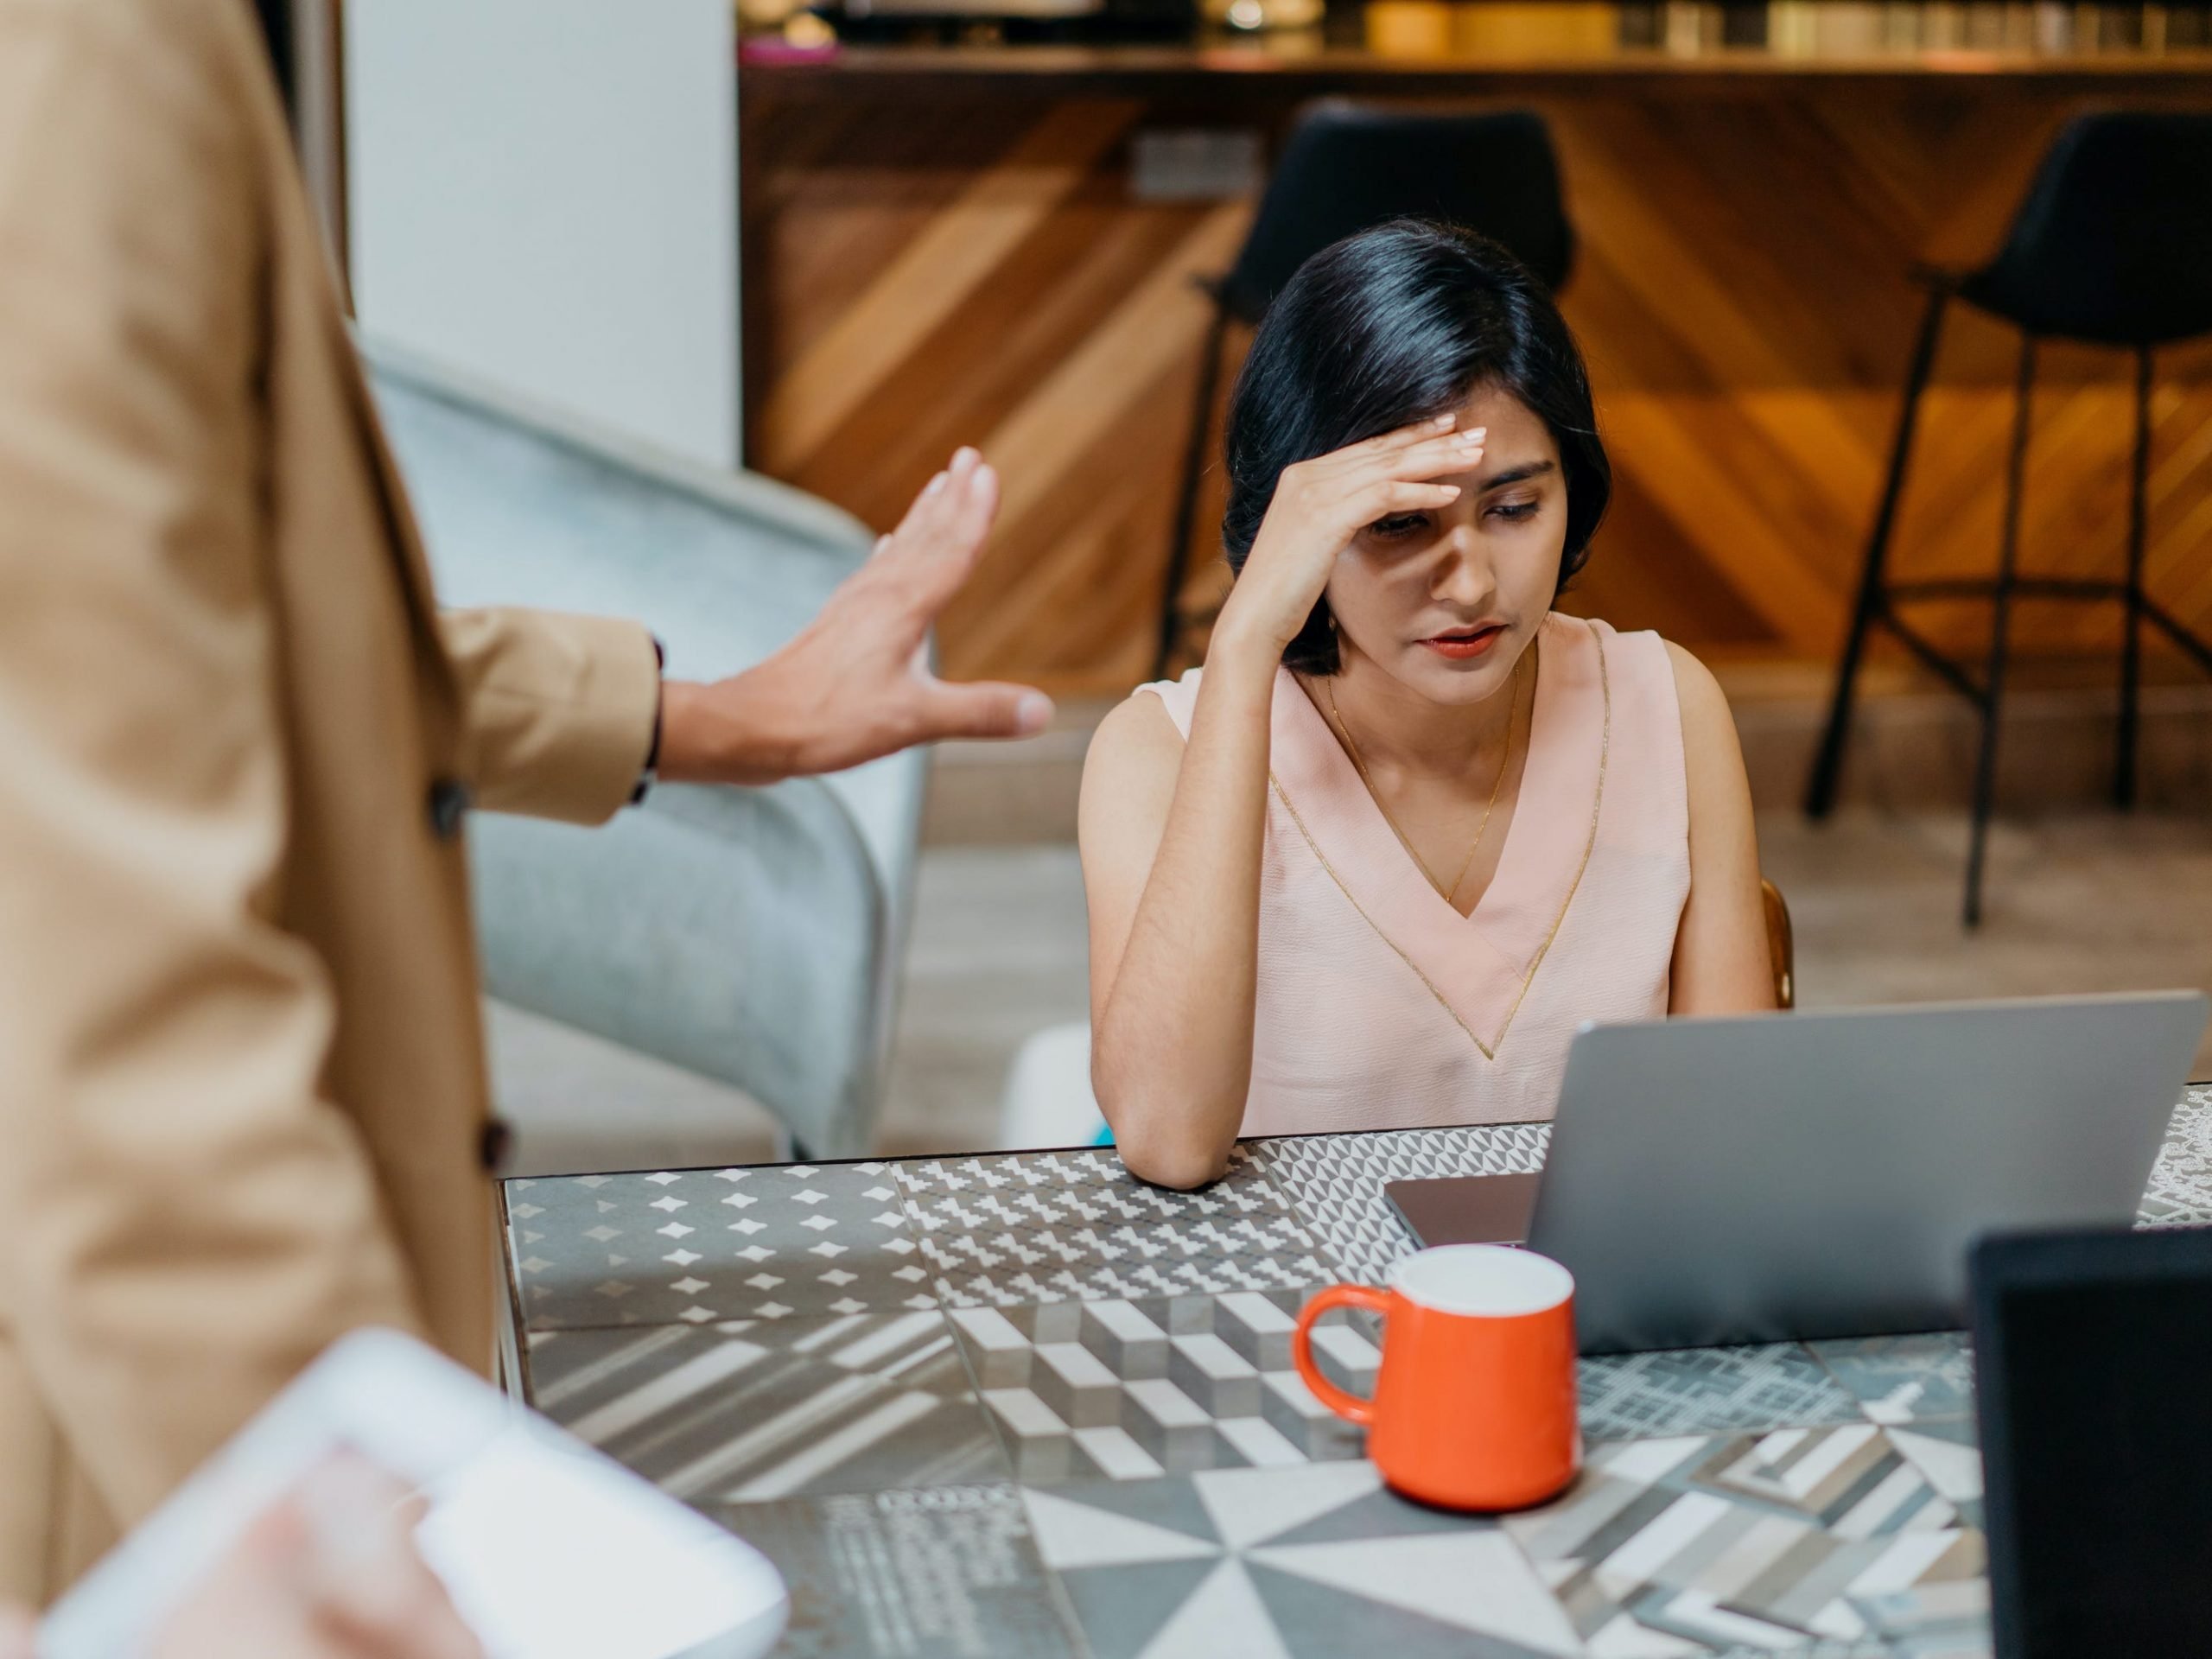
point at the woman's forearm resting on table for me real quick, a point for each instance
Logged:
(1171, 843)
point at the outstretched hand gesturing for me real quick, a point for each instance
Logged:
(856, 684)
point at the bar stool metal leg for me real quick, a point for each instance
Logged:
(2131, 650)
(1992, 684)
(1186, 499)
(1828, 766)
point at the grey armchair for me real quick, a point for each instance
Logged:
(753, 935)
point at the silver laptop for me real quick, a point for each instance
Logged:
(1776, 1177)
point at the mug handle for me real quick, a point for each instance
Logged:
(1302, 1348)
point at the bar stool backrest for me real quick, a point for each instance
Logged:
(1347, 167)
(2113, 242)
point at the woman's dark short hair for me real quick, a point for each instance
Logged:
(1386, 328)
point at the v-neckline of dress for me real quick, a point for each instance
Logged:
(1478, 965)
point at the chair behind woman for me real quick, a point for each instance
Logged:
(1781, 944)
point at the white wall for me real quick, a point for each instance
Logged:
(543, 194)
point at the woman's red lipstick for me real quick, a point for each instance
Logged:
(1463, 644)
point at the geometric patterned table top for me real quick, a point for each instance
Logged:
(1023, 1404)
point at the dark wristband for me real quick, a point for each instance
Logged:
(646, 774)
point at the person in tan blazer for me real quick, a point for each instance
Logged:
(242, 1089)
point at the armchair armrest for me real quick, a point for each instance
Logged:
(752, 935)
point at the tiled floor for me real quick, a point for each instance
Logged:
(948, 1574)
(1948, 1457)
(1915, 1379)
(1269, 1563)
(701, 1245)
(1338, 1181)
(1772, 1540)
(1708, 1390)
(2180, 1190)
(916, 1462)
(1125, 1391)
(1058, 1226)
(773, 1409)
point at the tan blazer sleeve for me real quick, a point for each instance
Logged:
(185, 1220)
(558, 710)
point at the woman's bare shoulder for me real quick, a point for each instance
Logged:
(1704, 704)
(1129, 776)
(1138, 733)
(1712, 757)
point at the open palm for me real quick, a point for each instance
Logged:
(856, 682)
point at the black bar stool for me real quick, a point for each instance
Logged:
(2112, 246)
(1346, 168)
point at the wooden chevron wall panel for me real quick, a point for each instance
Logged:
(931, 271)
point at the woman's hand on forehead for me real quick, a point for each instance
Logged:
(1320, 506)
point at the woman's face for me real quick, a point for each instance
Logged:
(1446, 600)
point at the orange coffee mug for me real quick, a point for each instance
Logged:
(1474, 1406)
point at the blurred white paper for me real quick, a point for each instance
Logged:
(550, 1550)
(609, 1573)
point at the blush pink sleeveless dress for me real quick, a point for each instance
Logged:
(1380, 1005)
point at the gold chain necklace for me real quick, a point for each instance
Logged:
(1359, 765)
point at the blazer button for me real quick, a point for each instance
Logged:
(448, 806)
(492, 1148)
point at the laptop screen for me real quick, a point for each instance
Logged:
(2098, 1437)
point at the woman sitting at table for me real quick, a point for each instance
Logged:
(1410, 826)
